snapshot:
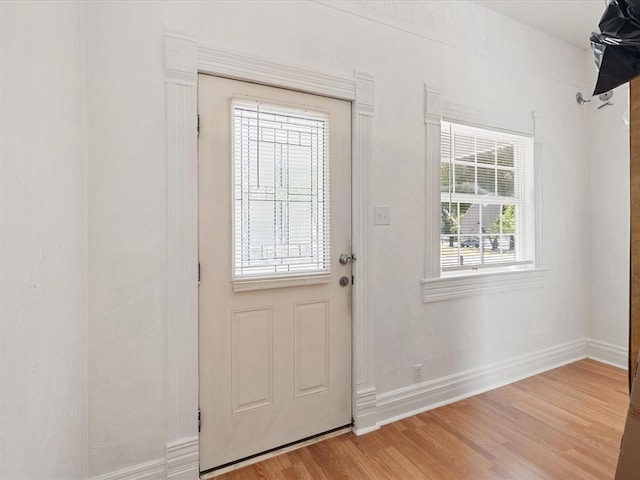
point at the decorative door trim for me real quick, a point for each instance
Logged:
(184, 59)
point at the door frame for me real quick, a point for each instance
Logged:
(184, 60)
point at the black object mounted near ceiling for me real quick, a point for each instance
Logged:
(616, 49)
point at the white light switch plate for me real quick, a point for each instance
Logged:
(382, 215)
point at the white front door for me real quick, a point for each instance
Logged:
(275, 301)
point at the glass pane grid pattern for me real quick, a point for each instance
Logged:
(486, 201)
(281, 195)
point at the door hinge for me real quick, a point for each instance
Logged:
(199, 421)
(198, 126)
(198, 273)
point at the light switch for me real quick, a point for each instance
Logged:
(381, 215)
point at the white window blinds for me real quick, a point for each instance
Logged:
(487, 210)
(281, 190)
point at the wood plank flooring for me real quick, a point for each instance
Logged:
(563, 424)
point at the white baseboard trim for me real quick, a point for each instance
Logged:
(152, 470)
(608, 353)
(183, 459)
(364, 415)
(408, 401)
(363, 431)
(181, 464)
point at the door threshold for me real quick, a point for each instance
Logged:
(274, 453)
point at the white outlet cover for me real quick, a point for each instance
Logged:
(417, 373)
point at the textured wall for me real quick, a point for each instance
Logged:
(458, 48)
(608, 214)
(127, 231)
(41, 241)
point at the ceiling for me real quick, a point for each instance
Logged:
(568, 20)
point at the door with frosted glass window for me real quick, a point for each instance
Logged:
(275, 294)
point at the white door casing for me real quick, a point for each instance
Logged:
(184, 58)
(275, 322)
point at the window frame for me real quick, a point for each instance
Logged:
(436, 285)
(522, 196)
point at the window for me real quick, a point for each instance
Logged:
(281, 204)
(482, 229)
(486, 199)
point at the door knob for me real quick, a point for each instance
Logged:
(346, 259)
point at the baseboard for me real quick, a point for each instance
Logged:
(181, 464)
(152, 470)
(364, 415)
(608, 353)
(183, 459)
(408, 401)
(182, 456)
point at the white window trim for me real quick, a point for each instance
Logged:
(435, 286)
(458, 286)
(266, 283)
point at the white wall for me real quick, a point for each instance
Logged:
(127, 231)
(457, 47)
(608, 214)
(42, 324)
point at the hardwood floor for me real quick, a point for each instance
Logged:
(563, 424)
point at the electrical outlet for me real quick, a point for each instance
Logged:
(417, 373)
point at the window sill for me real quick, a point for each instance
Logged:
(459, 286)
(266, 283)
